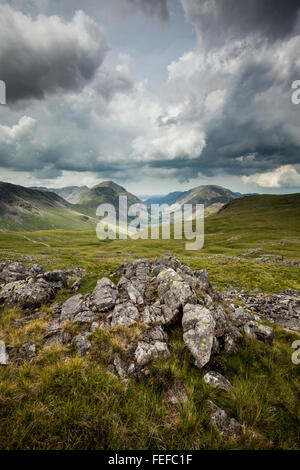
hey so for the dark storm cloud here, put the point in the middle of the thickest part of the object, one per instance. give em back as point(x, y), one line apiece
point(47, 55)
point(219, 20)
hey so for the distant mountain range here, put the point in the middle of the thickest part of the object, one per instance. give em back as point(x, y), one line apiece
point(74, 207)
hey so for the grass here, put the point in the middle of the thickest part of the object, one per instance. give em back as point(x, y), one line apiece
point(62, 401)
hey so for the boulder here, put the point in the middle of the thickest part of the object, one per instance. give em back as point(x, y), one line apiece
point(28, 293)
point(72, 307)
point(229, 427)
point(217, 380)
point(26, 352)
point(104, 295)
point(198, 332)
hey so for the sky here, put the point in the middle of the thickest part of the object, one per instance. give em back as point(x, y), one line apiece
point(156, 95)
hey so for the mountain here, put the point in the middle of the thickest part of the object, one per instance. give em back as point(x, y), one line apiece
point(168, 199)
point(31, 209)
point(244, 195)
point(213, 197)
point(107, 192)
point(71, 194)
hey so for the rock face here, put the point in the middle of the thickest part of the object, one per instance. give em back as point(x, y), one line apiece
point(229, 427)
point(3, 354)
point(217, 380)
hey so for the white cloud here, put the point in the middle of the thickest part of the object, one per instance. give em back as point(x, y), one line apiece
point(285, 176)
point(22, 130)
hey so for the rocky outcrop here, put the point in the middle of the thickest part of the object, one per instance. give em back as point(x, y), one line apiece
point(150, 297)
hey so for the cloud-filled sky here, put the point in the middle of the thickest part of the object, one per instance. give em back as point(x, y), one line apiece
point(157, 95)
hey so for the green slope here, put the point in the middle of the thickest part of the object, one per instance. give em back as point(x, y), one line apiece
point(28, 209)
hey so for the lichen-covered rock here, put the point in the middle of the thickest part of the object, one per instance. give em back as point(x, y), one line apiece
point(72, 306)
point(216, 380)
point(149, 351)
point(174, 293)
point(124, 315)
point(28, 293)
point(221, 320)
point(82, 344)
point(262, 332)
point(232, 340)
point(3, 354)
point(229, 427)
point(198, 332)
point(36, 269)
point(104, 295)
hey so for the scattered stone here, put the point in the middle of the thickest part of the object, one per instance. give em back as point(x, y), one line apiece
point(229, 427)
point(3, 354)
point(84, 317)
point(217, 380)
point(72, 306)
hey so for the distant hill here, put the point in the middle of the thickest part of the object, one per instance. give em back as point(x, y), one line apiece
point(168, 199)
point(249, 206)
point(31, 209)
point(213, 197)
point(107, 192)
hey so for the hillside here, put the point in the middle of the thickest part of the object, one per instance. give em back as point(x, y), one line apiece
point(107, 192)
point(30, 209)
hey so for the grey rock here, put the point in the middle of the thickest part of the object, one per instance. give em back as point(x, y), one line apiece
point(84, 317)
point(76, 285)
point(217, 380)
point(259, 331)
point(124, 315)
point(174, 293)
point(104, 295)
point(198, 332)
point(54, 328)
point(72, 306)
point(57, 277)
point(239, 316)
point(82, 344)
point(221, 320)
point(28, 293)
point(232, 340)
point(36, 269)
point(146, 353)
point(229, 427)
point(3, 354)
